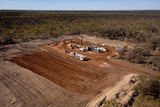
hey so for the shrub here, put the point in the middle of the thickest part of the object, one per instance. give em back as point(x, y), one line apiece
point(155, 60)
point(112, 103)
point(19, 34)
point(155, 42)
point(146, 101)
point(149, 86)
point(149, 92)
point(157, 51)
point(138, 55)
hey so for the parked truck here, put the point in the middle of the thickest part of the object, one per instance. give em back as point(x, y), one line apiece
point(78, 56)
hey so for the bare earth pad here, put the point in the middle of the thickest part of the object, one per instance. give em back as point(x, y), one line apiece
point(64, 71)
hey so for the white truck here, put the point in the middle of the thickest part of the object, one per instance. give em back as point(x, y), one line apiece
point(78, 56)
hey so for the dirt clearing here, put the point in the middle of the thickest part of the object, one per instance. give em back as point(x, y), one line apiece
point(54, 64)
point(66, 73)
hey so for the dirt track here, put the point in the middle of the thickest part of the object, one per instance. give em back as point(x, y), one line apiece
point(67, 82)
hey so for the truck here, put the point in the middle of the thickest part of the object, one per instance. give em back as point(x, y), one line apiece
point(78, 56)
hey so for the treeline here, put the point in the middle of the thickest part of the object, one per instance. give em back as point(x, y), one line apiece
point(24, 26)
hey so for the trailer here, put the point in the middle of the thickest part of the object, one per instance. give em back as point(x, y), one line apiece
point(78, 56)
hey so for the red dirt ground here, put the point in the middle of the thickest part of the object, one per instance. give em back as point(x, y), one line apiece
point(80, 76)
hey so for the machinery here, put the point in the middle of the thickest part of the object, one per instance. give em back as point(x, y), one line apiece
point(78, 56)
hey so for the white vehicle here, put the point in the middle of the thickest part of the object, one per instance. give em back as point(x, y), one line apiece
point(78, 56)
point(103, 49)
point(72, 53)
point(82, 49)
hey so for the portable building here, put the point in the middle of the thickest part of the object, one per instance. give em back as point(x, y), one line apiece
point(96, 49)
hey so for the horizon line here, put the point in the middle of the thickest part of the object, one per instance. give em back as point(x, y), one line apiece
point(76, 10)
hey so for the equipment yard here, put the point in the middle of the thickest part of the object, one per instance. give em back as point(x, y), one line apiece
point(53, 63)
point(70, 73)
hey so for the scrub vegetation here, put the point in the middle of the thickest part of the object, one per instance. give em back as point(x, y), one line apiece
point(148, 93)
point(138, 27)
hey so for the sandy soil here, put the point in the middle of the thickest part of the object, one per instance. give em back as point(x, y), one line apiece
point(122, 91)
point(21, 87)
point(44, 75)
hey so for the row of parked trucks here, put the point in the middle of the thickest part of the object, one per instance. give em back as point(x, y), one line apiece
point(88, 48)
